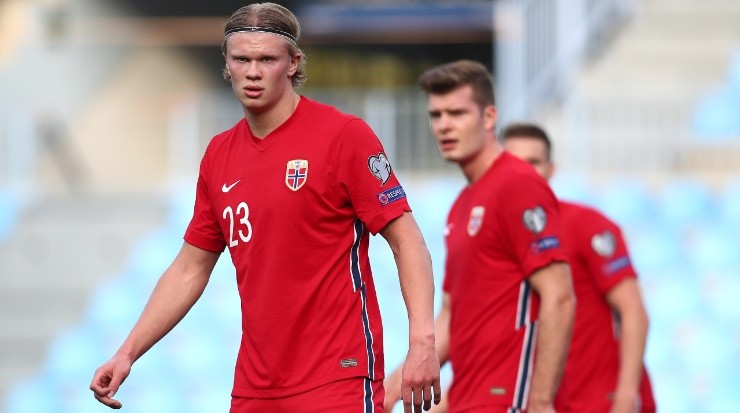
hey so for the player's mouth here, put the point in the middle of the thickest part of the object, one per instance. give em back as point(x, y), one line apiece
point(447, 144)
point(253, 91)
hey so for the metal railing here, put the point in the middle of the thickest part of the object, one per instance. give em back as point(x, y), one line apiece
point(649, 135)
point(541, 45)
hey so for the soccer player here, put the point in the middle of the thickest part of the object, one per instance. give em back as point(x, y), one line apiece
point(604, 371)
point(508, 304)
point(293, 191)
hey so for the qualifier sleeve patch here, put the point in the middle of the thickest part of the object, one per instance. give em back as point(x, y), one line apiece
point(615, 265)
point(544, 244)
point(391, 195)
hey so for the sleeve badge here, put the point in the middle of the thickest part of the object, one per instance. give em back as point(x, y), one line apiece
point(535, 219)
point(380, 167)
point(604, 244)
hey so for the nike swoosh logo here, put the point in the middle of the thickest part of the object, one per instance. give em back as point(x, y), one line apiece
point(228, 188)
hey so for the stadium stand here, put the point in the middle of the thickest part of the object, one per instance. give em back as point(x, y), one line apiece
point(715, 116)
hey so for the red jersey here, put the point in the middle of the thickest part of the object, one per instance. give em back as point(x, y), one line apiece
point(599, 261)
point(500, 230)
point(295, 209)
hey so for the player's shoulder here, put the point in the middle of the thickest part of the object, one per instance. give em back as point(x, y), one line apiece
point(324, 112)
point(224, 137)
point(585, 214)
point(330, 123)
point(516, 173)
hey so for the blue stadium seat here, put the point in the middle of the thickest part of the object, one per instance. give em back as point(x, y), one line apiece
point(572, 187)
point(181, 202)
point(114, 308)
point(74, 355)
point(671, 302)
point(685, 202)
point(672, 391)
point(153, 394)
point(721, 388)
point(729, 204)
point(715, 116)
point(655, 248)
point(714, 248)
point(721, 291)
point(31, 395)
point(431, 198)
point(151, 256)
point(211, 396)
point(8, 214)
point(627, 202)
point(200, 350)
point(703, 345)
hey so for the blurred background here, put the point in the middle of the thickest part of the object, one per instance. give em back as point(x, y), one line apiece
point(106, 108)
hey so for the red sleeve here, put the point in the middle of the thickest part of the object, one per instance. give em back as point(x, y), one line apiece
point(530, 217)
point(605, 253)
point(204, 230)
point(365, 175)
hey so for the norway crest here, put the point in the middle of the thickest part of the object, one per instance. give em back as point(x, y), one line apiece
point(296, 174)
point(476, 220)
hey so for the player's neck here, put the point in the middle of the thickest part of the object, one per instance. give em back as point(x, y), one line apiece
point(477, 166)
point(263, 123)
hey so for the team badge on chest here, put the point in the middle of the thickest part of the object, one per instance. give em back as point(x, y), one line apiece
point(476, 220)
point(296, 174)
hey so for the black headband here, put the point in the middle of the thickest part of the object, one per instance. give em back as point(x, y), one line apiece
point(260, 29)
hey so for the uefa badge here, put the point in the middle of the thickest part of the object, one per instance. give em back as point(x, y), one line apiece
point(380, 167)
point(296, 174)
point(535, 219)
point(604, 244)
point(476, 220)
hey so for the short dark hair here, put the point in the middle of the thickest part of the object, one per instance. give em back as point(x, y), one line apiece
point(528, 130)
point(447, 77)
point(273, 16)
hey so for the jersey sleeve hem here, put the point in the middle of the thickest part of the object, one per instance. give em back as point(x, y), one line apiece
point(195, 239)
point(542, 263)
point(616, 279)
point(377, 223)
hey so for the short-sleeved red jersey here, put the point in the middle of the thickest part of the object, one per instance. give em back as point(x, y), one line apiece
point(500, 230)
point(295, 209)
point(599, 261)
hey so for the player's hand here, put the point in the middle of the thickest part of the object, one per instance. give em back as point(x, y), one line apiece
point(624, 404)
point(108, 379)
point(420, 378)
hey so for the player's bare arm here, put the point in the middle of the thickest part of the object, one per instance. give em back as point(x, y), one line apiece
point(177, 290)
point(420, 374)
point(557, 308)
point(442, 342)
point(626, 300)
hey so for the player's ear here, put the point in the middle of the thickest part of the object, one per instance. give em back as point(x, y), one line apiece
point(490, 114)
point(549, 170)
point(226, 73)
point(295, 61)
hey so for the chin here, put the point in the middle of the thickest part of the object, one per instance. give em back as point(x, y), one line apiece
point(450, 157)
